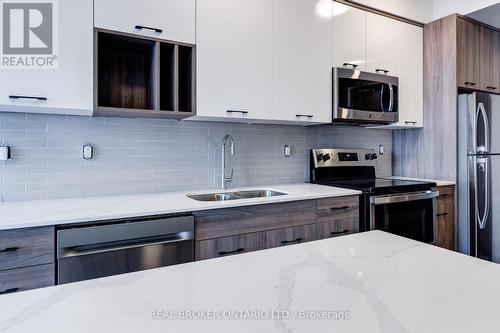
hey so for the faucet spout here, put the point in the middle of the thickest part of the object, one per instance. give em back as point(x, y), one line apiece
point(224, 178)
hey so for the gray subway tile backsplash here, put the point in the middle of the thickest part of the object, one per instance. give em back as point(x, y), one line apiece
point(156, 155)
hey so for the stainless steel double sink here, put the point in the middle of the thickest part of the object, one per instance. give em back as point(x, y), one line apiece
point(235, 195)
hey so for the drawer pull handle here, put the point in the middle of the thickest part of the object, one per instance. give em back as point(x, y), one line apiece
point(9, 249)
point(225, 253)
point(237, 111)
point(336, 233)
point(295, 241)
point(38, 98)
point(142, 27)
point(333, 209)
point(345, 64)
point(9, 291)
point(470, 84)
point(304, 115)
point(443, 214)
point(491, 88)
point(385, 71)
point(443, 195)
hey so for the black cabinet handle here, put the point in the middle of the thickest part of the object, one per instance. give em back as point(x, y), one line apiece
point(295, 241)
point(443, 214)
point(304, 115)
point(349, 64)
point(378, 70)
point(9, 249)
point(468, 83)
point(9, 291)
point(334, 209)
point(491, 88)
point(142, 27)
point(38, 98)
point(336, 233)
point(410, 122)
point(225, 253)
point(237, 111)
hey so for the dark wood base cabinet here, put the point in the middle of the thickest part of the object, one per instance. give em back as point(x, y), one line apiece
point(445, 218)
point(225, 232)
point(26, 259)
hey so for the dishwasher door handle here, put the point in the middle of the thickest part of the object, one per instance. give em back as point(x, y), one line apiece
point(84, 250)
point(390, 199)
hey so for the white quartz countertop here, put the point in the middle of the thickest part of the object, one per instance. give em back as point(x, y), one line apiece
point(376, 281)
point(437, 181)
point(53, 212)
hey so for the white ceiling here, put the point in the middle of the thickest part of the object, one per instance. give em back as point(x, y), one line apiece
point(489, 15)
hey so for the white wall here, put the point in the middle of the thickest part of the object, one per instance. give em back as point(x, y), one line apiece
point(418, 10)
point(444, 8)
point(427, 10)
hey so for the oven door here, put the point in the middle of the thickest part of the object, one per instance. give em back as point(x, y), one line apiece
point(411, 215)
point(365, 97)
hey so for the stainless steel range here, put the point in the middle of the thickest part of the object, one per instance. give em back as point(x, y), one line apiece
point(403, 207)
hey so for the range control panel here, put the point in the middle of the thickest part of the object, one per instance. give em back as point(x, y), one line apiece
point(343, 157)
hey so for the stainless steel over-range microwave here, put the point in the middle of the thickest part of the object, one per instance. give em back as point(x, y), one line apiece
point(362, 97)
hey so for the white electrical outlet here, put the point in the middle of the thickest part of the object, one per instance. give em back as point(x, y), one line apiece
point(88, 152)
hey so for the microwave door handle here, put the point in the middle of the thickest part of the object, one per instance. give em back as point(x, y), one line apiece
point(382, 98)
point(391, 98)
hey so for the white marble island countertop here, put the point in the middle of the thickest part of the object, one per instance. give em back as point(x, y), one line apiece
point(376, 282)
point(63, 211)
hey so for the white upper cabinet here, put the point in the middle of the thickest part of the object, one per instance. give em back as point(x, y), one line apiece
point(172, 20)
point(349, 36)
point(382, 34)
point(409, 67)
point(234, 59)
point(302, 61)
point(63, 89)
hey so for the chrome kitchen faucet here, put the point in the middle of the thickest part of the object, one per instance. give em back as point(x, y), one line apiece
point(224, 179)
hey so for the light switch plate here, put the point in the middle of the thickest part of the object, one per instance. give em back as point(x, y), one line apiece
point(4, 153)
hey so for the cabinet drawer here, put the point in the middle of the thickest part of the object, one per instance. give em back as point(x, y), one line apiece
point(337, 208)
point(446, 193)
point(26, 247)
point(14, 280)
point(338, 228)
point(289, 236)
point(250, 219)
point(221, 247)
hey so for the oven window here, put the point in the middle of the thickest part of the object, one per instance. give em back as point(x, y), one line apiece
point(356, 94)
point(413, 219)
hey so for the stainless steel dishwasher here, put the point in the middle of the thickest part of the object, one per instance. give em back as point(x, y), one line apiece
point(96, 250)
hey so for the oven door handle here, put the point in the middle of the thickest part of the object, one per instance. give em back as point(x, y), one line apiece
point(84, 250)
point(389, 199)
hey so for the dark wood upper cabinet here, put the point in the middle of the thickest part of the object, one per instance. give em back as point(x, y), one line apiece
point(478, 56)
point(490, 60)
point(468, 54)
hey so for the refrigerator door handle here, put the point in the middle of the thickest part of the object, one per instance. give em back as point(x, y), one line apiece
point(486, 123)
point(481, 220)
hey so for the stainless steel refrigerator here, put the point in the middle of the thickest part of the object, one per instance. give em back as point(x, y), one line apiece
point(479, 175)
